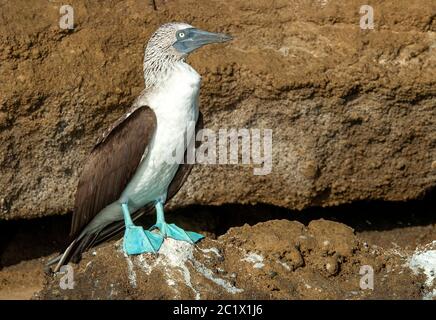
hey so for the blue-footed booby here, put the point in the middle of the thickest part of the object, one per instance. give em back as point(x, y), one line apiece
point(126, 173)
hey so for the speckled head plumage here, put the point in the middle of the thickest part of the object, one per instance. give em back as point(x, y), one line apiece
point(160, 45)
point(170, 44)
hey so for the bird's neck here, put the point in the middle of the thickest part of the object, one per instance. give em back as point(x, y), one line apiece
point(157, 69)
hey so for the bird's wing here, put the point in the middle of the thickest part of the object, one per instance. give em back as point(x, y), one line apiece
point(111, 164)
point(179, 179)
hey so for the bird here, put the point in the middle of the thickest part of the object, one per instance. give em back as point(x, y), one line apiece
point(126, 174)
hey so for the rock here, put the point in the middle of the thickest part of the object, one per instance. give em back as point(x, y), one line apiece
point(247, 262)
point(352, 111)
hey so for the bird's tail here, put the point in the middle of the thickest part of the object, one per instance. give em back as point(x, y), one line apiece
point(106, 225)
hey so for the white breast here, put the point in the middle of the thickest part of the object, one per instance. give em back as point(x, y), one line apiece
point(175, 105)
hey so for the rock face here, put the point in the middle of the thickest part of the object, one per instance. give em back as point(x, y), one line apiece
point(278, 259)
point(353, 111)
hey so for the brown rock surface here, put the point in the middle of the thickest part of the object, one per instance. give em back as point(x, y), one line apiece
point(353, 111)
point(278, 259)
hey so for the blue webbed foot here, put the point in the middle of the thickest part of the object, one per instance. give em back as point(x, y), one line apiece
point(171, 230)
point(177, 233)
point(137, 240)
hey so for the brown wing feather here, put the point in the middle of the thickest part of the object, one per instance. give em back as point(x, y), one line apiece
point(111, 165)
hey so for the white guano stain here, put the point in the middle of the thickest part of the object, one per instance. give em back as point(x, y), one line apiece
point(174, 258)
point(213, 250)
point(144, 265)
point(131, 274)
point(207, 273)
point(284, 265)
point(255, 259)
point(424, 260)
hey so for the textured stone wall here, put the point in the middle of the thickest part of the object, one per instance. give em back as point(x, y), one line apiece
point(353, 111)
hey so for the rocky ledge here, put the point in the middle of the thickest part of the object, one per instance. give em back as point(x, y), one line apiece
point(278, 259)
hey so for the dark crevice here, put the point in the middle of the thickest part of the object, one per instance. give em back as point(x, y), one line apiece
point(22, 240)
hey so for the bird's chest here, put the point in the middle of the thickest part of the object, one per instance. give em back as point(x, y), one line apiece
point(176, 109)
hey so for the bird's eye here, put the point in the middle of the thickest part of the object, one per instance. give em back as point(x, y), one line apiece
point(181, 34)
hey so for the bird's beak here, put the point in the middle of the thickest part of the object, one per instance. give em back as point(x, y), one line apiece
point(196, 38)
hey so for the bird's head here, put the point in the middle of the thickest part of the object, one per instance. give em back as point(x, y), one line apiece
point(174, 41)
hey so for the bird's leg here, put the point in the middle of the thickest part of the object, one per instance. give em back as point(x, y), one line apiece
point(136, 239)
point(171, 230)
